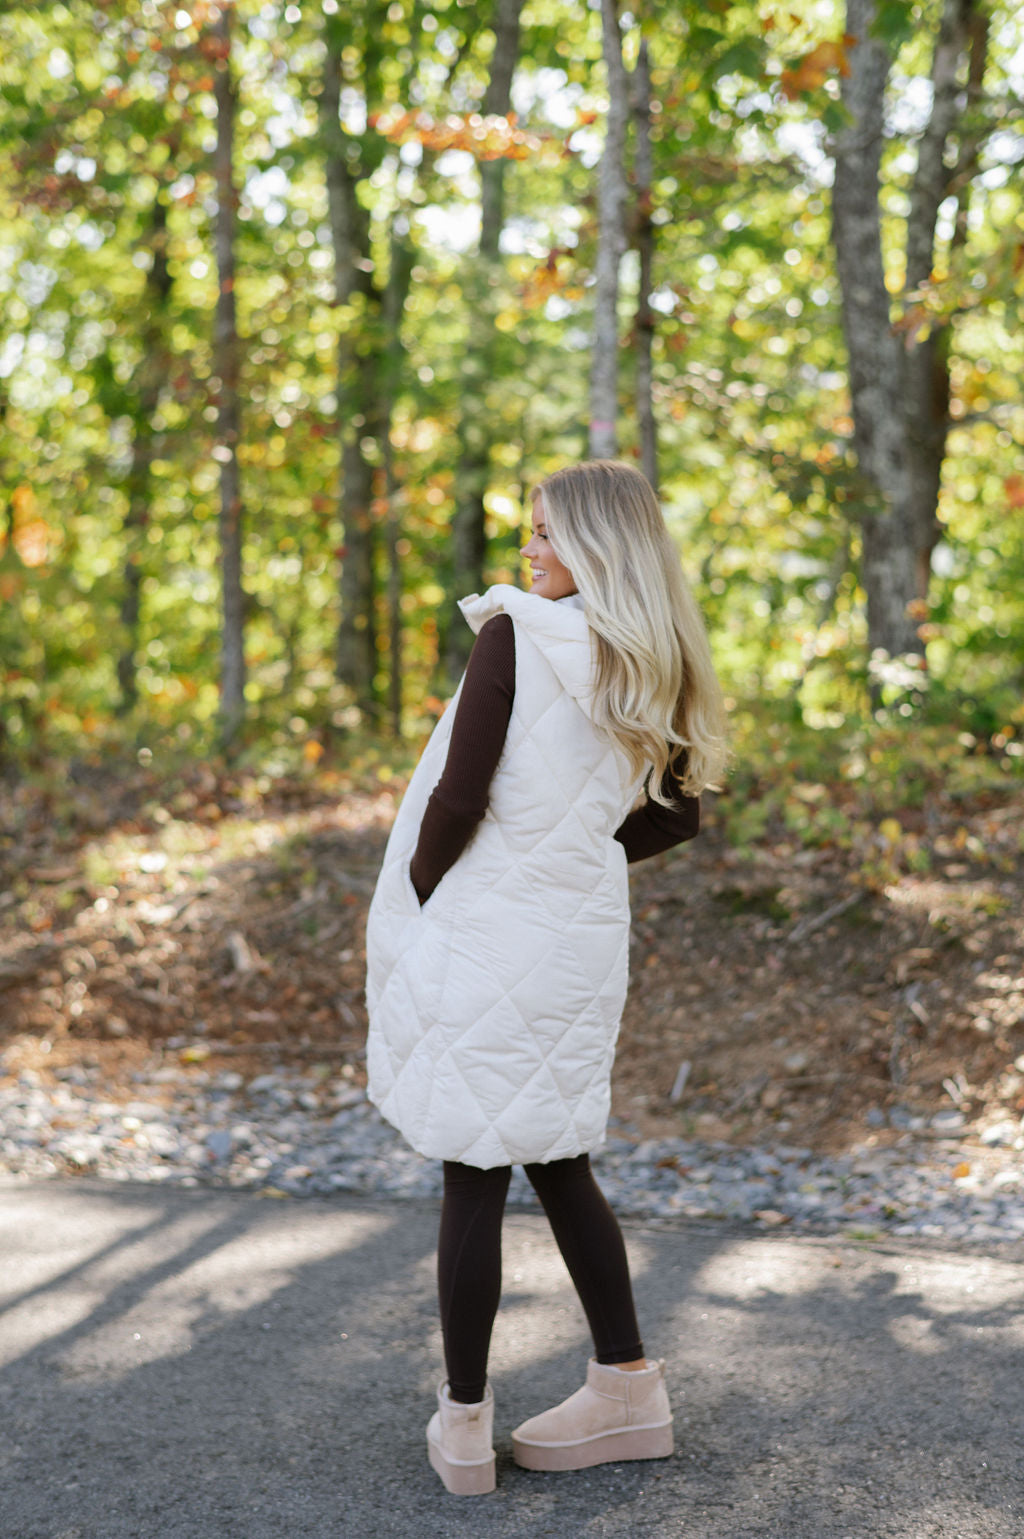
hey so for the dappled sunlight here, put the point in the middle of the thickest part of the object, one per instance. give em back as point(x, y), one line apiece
point(940, 901)
point(911, 1333)
point(199, 921)
point(69, 1287)
point(537, 1295)
point(83, 1242)
point(753, 1270)
point(237, 1276)
point(921, 1305)
point(947, 1285)
point(152, 1296)
point(250, 1355)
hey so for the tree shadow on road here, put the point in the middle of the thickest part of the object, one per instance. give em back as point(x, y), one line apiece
point(183, 1364)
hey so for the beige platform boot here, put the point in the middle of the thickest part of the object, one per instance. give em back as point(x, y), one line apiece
point(618, 1414)
point(459, 1444)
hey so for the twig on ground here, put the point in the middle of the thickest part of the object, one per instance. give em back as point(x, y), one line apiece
point(897, 1073)
point(675, 1095)
point(807, 927)
point(154, 997)
point(236, 1049)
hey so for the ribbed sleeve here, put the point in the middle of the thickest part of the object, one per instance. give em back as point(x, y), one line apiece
point(459, 800)
point(651, 829)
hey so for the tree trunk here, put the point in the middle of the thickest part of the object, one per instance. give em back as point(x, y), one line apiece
point(475, 434)
point(227, 367)
point(149, 380)
point(876, 354)
point(356, 658)
point(9, 658)
point(927, 376)
point(496, 103)
point(613, 196)
point(644, 237)
point(395, 295)
point(899, 390)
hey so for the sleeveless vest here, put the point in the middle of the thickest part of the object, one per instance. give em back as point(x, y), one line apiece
point(494, 1009)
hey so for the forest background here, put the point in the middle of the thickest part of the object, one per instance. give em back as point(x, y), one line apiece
point(299, 302)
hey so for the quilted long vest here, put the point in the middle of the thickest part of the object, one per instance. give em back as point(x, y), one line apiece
point(494, 1009)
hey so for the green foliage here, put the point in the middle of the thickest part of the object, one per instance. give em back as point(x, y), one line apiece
point(107, 116)
point(870, 787)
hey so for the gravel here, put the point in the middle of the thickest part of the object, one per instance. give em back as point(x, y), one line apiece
point(315, 1133)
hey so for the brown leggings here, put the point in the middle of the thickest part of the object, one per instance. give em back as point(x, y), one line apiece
point(469, 1263)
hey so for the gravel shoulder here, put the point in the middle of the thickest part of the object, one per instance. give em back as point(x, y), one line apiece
point(215, 1363)
point(313, 1133)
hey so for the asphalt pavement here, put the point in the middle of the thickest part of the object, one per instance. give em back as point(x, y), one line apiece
point(196, 1364)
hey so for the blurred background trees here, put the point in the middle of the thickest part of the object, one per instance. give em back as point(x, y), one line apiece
point(299, 301)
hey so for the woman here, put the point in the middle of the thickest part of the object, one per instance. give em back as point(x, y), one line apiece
point(497, 942)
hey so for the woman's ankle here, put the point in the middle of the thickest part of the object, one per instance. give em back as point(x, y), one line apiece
point(473, 1394)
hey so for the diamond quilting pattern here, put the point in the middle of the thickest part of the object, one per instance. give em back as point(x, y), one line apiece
point(495, 1009)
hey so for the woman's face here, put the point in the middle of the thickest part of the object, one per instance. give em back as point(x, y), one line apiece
point(551, 579)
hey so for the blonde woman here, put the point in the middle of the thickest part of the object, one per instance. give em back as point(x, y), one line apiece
point(587, 723)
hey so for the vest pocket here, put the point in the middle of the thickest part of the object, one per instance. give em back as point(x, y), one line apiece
point(412, 897)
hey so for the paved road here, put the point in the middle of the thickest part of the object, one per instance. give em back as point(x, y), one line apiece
point(213, 1365)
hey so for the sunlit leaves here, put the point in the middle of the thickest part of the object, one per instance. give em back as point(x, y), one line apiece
point(485, 138)
point(811, 72)
point(749, 360)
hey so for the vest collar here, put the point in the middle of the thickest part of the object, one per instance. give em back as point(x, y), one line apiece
point(558, 626)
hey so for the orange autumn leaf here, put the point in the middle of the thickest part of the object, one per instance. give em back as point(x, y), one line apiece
point(1014, 489)
point(32, 534)
point(811, 72)
point(24, 503)
point(547, 279)
point(487, 138)
point(32, 542)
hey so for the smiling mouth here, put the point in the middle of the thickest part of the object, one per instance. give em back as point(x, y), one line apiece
point(537, 574)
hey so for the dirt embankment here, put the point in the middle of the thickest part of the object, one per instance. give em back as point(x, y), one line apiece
point(774, 994)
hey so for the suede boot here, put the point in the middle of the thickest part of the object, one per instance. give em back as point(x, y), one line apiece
point(459, 1444)
point(618, 1414)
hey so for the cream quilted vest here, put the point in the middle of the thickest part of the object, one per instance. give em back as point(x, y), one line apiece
point(495, 1008)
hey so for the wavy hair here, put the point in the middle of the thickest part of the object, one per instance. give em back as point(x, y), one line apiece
point(656, 691)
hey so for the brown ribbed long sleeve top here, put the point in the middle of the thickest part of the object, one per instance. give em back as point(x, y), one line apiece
point(459, 800)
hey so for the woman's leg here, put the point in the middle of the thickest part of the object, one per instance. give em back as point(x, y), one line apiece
point(616, 1414)
point(469, 1272)
point(590, 1240)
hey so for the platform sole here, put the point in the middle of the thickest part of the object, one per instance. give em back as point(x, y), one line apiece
point(461, 1477)
point(605, 1448)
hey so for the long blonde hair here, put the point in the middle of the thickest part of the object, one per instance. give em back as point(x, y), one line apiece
point(656, 689)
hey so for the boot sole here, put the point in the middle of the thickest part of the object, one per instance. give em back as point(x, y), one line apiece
point(606, 1448)
point(460, 1477)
